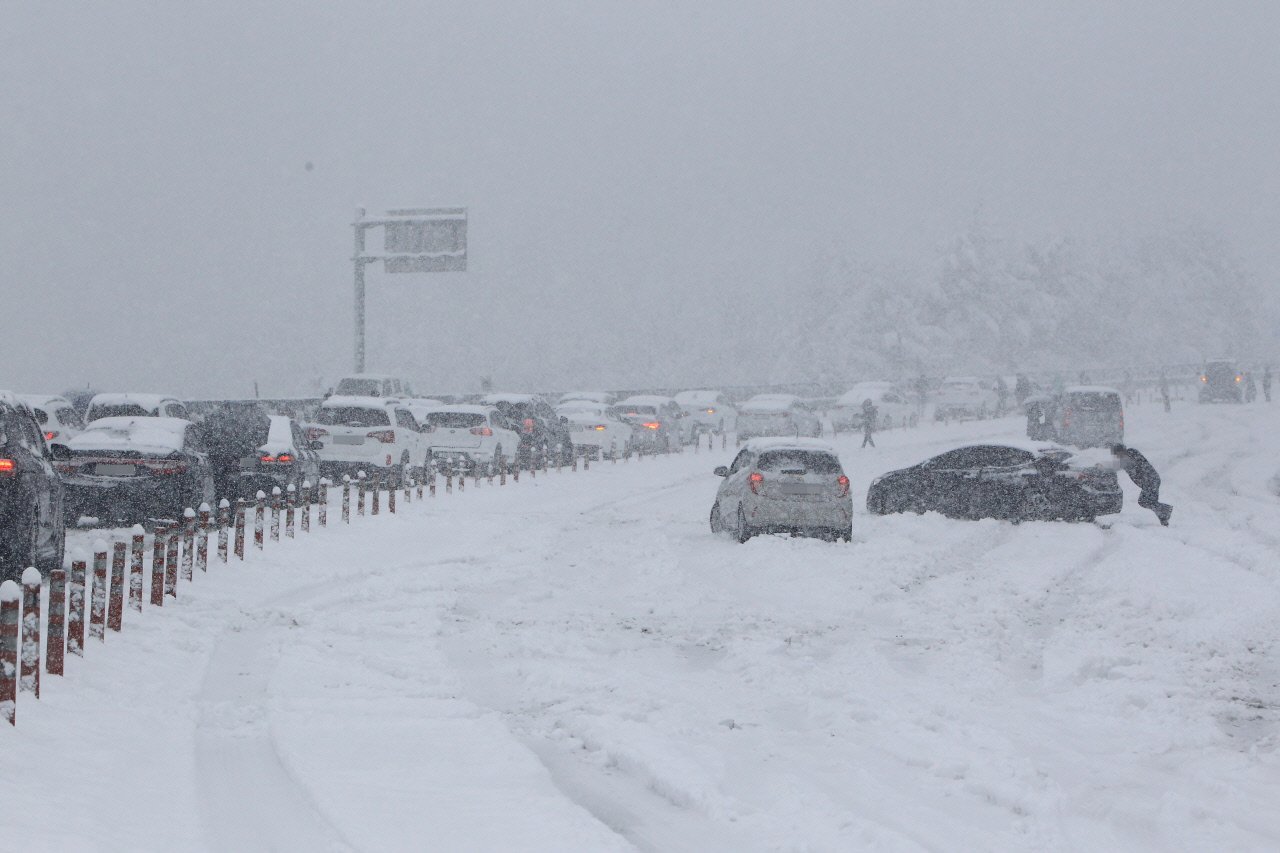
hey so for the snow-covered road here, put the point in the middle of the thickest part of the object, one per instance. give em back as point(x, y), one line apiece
point(575, 663)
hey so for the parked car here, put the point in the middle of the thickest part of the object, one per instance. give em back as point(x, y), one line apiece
point(281, 456)
point(467, 438)
point(1005, 481)
point(596, 433)
point(892, 406)
point(32, 527)
point(134, 405)
point(776, 415)
point(129, 469)
point(963, 397)
point(57, 418)
point(541, 429)
point(784, 485)
point(708, 411)
point(372, 385)
point(603, 398)
point(1221, 382)
point(1088, 416)
point(656, 422)
point(370, 434)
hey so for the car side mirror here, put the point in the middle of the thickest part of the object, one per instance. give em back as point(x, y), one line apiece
point(721, 471)
point(60, 452)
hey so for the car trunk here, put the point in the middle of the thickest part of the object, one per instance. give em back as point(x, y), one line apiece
point(454, 429)
point(799, 475)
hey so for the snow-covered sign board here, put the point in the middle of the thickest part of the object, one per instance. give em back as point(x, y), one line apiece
point(426, 240)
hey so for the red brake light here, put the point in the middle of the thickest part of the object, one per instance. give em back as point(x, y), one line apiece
point(481, 430)
point(8, 467)
point(711, 411)
point(267, 458)
point(754, 481)
point(1204, 378)
point(284, 458)
point(599, 427)
point(843, 482)
point(652, 424)
point(1237, 378)
point(386, 436)
point(50, 436)
point(528, 425)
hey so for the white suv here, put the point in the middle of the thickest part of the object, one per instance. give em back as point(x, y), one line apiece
point(473, 438)
point(366, 434)
point(58, 419)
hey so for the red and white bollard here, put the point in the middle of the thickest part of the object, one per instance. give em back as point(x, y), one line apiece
point(188, 542)
point(376, 486)
point(135, 567)
point(448, 482)
point(10, 600)
point(724, 441)
point(157, 567)
point(171, 561)
point(362, 485)
point(586, 460)
point(432, 483)
point(98, 600)
point(202, 537)
point(346, 498)
point(322, 498)
point(391, 494)
point(275, 513)
point(418, 486)
point(462, 480)
point(259, 518)
point(29, 677)
point(115, 601)
point(291, 498)
point(613, 450)
point(306, 506)
point(56, 643)
point(75, 609)
point(224, 521)
point(408, 489)
point(241, 523)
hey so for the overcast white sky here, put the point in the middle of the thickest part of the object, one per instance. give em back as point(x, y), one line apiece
point(629, 168)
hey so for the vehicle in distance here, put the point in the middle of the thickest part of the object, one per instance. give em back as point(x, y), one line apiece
point(596, 433)
point(57, 418)
point(1081, 416)
point(707, 411)
point(32, 531)
point(1015, 482)
point(962, 397)
point(467, 438)
point(370, 434)
point(776, 415)
point(131, 469)
point(540, 428)
point(372, 385)
point(892, 406)
point(281, 457)
point(134, 405)
point(1221, 382)
point(780, 485)
point(655, 422)
point(603, 398)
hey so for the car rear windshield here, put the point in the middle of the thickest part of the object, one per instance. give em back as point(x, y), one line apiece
point(359, 388)
point(1221, 371)
point(455, 420)
point(353, 416)
point(119, 410)
point(813, 462)
point(1095, 402)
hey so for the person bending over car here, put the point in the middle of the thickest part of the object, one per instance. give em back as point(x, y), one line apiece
point(1144, 476)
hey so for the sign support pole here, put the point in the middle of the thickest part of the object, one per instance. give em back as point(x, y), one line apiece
point(359, 262)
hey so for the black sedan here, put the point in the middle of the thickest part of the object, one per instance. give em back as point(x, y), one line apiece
point(31, 524)
point(1018, 483)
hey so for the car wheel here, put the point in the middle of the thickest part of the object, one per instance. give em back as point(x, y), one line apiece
point(717, 526)
point(846, 535)
point(1035, 507)
point(744, 531)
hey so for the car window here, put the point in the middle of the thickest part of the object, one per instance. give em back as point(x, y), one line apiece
point(1094, 402)
point(42, 417)
point(191, 439)
point(980, 456)
point(68, 416)
point(405, 419)
point(892, 398)
point(359, 388)
point(177, 410)
point(814, 462)
point(455, 420)
point(743, 460)
point(352, 416)
point(296, 432)
point(118, 410)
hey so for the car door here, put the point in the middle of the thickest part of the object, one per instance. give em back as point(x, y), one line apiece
point(949, 478)
point(27, 445)
point(408, 435)
point(734, 485)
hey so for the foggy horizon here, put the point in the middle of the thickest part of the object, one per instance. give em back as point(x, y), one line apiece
point(655, 196)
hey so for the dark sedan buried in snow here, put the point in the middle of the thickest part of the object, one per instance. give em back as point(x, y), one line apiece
point(1016, 482)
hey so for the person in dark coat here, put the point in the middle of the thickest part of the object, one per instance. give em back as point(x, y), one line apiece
point(869, 415)
point(1266, 383)
point(1144, 476)
point(1164, 391)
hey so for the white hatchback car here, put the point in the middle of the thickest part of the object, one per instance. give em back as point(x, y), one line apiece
point(58, 419)
point(777, 415)
point(595, 433)
point(892, 406)
point(467, 437)
point(708, 411)
point(135, 405)
point(366, 433)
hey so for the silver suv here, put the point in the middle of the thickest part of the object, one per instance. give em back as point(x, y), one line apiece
point(784, 486)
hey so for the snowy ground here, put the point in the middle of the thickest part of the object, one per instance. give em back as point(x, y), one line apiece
point(575, 663)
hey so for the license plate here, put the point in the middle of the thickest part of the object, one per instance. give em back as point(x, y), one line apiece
point(801, 489)
point(348, 439)
point(249, 462)
point(104, 469)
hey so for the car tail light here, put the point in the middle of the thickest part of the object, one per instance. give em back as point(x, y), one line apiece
point(388, 460)
point(386, 436)
point(1066, 417)
point(843, 482)
point(528, 426)
point(481, 430)
point(282, 459)
point(1204, 378)
point(652, 424)
point(711, 411)
point(267, 458)
point(600, 427)
point(314, 433)
point(754, 482)
point(166, 468)
point(1237, 378)
point(50, 436)
point(8, 467)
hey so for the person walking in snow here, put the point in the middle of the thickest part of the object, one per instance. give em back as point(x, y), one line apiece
point(869, 415)
point(1266, 383)
point(1144, 476)
point(1164, 391)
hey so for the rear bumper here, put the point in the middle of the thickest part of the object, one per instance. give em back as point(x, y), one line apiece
point(128, 500)
point(785, 515)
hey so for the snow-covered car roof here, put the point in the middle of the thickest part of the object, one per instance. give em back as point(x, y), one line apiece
point(423, 401)
point(12, 399)
point(452, 407)
point(584, 416)
point(645, 400)
point(336, 402)
point(146, 401)
point(758, 406)
point(279, 434)
point(961, 380)
point(43, 401)
point(145, 435)
point(1089, 389)
point(865, 391)
point(492, 399)
point(581, 406)
point(589, 396)
point(696, 398)
point(758, 445)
